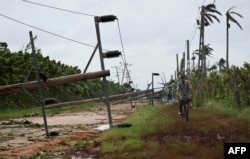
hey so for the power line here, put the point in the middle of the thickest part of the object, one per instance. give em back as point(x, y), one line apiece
point(203, 2)
point(121, 40)
point(57, 35)
point(124, 57)
point(195, 28)
point(65, 10)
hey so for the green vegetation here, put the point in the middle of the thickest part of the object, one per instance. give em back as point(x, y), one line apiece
point(125, 141)
point(229, 87)
point(158, 132)
point(15, 67)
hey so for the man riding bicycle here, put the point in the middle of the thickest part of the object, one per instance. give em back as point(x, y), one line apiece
point(184, 92)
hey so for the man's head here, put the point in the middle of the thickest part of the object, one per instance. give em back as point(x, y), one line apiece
point(182, 77)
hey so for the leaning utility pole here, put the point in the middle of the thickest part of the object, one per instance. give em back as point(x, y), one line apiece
point(108, 54)
point(39, 85)
point(105, 83)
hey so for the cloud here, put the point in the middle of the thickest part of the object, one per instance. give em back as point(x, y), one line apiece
point(152, 33)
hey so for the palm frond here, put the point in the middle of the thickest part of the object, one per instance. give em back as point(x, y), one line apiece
point(213, 67)
point(215, 11)
point(212, 8)
point(231, 18)
point(206, 22)
point(222, 61)
point(208, 17)
point(236, 14)
point(236, 22)
point(197, 52)
point(216, 18)
point(231, 8)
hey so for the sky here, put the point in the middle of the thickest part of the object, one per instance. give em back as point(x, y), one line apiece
point(149, 33)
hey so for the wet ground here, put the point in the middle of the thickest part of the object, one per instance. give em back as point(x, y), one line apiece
point(25, 137)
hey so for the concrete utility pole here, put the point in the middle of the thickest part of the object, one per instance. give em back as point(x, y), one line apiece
point(117, 74)
point(153, 74)
point(188, 59)
point(105, 83)
point(6, 89)
point(109, 54)
point(40, 89)
point(125, 74)
point(126, 97)
point(183, 63)
point(201, 62)
point(177, 63)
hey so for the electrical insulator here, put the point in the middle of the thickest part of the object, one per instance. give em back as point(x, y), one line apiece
point(111, 54)
point(106, 18)
point(155, 74)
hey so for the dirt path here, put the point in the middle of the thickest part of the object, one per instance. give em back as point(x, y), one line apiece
point(201, 137)
point(26, 137)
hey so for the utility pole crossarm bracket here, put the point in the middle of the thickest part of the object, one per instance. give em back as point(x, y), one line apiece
point(105, 18)
point(111, 54)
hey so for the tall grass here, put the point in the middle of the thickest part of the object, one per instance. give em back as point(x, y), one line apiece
point(194, 139)
point(148, 120)
point(241, 113)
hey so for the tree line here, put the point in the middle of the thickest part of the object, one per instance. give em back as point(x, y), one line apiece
point(230, 87)
point(16, 67)
point(226, 84)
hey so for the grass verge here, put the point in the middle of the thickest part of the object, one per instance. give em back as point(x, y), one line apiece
point(158, 132)
point(128, 142)
point(36, 111)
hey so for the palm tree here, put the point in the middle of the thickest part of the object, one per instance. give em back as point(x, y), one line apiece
point(229, 14)
point(212, 68)
point(207, 17)
point(221, 64)
point(207, 51)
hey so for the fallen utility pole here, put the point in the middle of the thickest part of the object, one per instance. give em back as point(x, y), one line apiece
point(52, 81)
point(113, 97)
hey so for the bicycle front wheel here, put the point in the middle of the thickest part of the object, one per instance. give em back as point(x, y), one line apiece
point(185, 112)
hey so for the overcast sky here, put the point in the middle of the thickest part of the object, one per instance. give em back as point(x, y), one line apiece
point(152, 33)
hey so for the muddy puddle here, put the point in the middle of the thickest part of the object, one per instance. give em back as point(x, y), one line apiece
point(23, 132)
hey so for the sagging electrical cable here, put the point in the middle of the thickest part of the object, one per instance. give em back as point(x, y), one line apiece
point(65, 10)
point(57, 35)
point(123, 57)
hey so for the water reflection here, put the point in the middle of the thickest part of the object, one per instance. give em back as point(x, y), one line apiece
point(102, 127)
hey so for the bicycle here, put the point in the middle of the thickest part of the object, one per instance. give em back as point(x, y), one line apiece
point(184, 107)
point(185, 112)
